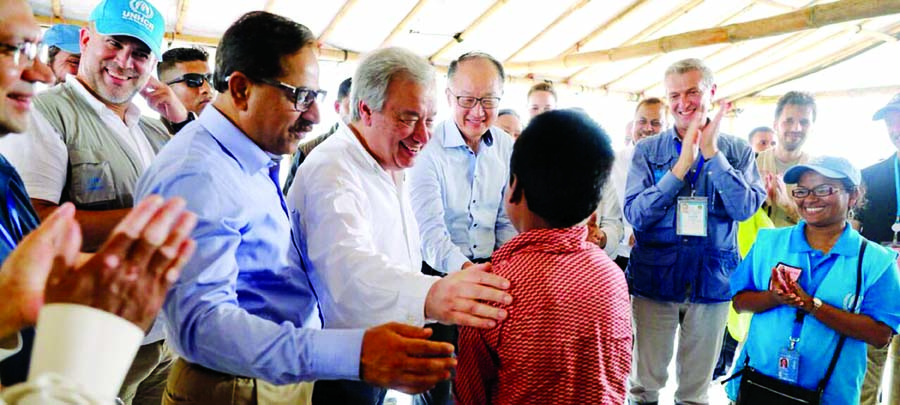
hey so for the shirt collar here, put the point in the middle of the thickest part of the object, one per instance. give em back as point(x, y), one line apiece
point(846, 245)
point(132, 112)
point(548, 240)
point(237, 144)
point(453, 138)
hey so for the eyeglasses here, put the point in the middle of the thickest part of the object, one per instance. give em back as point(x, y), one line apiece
point(822, 190)
point(470, 102)
point(192, 80)
point(302, 97)
point(25, 53)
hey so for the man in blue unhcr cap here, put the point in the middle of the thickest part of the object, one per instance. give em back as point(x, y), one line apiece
point(63, 50)
point(95, 144)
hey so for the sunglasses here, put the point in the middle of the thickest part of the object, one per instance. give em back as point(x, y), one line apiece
point(192, 80)
point(301, 97)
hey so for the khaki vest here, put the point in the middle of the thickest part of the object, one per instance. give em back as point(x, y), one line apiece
point(102, 170)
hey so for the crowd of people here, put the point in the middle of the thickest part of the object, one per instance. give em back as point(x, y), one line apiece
point(486, 258)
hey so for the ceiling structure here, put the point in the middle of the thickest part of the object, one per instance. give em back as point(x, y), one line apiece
point(589, 46)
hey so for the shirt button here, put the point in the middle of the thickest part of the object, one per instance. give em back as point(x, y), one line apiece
point(474, 246)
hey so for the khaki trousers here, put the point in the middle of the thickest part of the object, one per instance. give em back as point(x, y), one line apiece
point(146, 379)
point(192, 384)
point(875, 372)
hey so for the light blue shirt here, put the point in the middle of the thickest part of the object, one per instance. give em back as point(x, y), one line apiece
point(457, 196)
point(770, 331)
point(240, 306)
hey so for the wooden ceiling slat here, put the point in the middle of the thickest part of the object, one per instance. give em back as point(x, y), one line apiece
point(562, 17)
point(329, 29)
point(601, 29)
point(461, 36)
point(886, 91)
point(401, 26)
point(270, 5)
point(804, 19)
point(182, 8)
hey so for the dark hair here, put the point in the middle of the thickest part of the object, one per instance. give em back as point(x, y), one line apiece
point(178, 55)
point(800, 98)
point(542, 86)
point(507, 111)
point(344, 89)
point(451, 71)
point(256, 44)
point(52, 51)
point(561, 163)
point(756, 130)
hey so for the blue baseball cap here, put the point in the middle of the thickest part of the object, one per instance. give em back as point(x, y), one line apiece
point(828, 166)
point(133, 18)
point(893, 105)
point(65, 37)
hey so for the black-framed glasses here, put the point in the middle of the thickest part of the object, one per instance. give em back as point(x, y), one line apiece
point(470, 102)
point(192, 80)
point(25, 53)
point(301, 97)
point(822, 190)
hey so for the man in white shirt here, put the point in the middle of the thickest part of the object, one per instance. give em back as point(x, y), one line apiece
point(649, 119)
point(91, 144)
point(350, 208)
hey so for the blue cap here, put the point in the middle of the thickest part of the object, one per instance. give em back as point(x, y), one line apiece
point(134, 18)
point(828, 166)
point(893, 105)
point(65, 37)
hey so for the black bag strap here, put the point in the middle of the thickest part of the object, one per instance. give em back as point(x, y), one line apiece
point(840, 345)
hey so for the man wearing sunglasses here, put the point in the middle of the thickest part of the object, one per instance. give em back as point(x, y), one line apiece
point(186, 72)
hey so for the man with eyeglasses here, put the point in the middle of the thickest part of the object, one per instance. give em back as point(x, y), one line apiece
point(186, 72)
point(89, 144)
point(244, 316)
point(63, 50)
point(457, 185)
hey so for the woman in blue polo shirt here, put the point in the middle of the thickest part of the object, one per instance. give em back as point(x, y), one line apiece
point(797, 325)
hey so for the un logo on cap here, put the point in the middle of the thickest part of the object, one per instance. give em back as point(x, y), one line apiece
point(141, 7)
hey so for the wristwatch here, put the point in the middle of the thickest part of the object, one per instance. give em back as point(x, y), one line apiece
point(817, 303)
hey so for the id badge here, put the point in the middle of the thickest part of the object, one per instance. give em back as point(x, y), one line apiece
point(690, 219)
point(788, 365)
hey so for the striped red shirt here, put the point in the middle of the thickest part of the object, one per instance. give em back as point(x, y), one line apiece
point(567, 339)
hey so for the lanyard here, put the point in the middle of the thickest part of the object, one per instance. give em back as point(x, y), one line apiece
point(693, 180)
point(896, 226)
point(16, 235)
point(815, 280)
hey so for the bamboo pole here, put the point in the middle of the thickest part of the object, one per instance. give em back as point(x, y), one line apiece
point(56, 9)
point(601, 29)
point(182, 9)
point(329, 29)
point(498, 4)
point(571, 10)
point(886, 91)
point(669, 18)
point(807, 18)
point(404, 23)
point(818, 65)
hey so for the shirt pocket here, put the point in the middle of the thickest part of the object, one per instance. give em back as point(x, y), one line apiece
point(92, 181)
point(660, 164)
point(715, 275)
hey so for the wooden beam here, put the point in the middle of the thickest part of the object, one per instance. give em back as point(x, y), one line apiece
point(669, 18)
point(270, 5)
point(461, 36)
point(181, 12)
point(658, 57)
point(601, 29)
point(329, 29)
point(571, 10)
point(400, 27)
point(887, 91)
point(804, 19)
point(56, 9)
point(818, 65)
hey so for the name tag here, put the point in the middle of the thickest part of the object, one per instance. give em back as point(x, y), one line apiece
point(691, 217)
point(788, 365)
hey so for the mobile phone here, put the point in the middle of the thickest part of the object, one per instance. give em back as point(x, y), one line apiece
point(785, 273)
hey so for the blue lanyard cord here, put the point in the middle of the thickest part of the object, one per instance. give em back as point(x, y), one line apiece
point(897, 185)
point(693, 180)
point(11, 238)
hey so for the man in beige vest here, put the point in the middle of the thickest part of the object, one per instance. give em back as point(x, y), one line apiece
point(795, 115)
point(90, 144)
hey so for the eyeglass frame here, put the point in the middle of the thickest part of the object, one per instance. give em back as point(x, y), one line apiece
point(188, 80)
point(829, 190)
point(31, 50)
point(476, 101)
point(295, 93)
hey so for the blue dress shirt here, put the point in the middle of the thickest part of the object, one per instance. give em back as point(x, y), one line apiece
point(457, 196)
point(240, 307)
point(665, 266)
